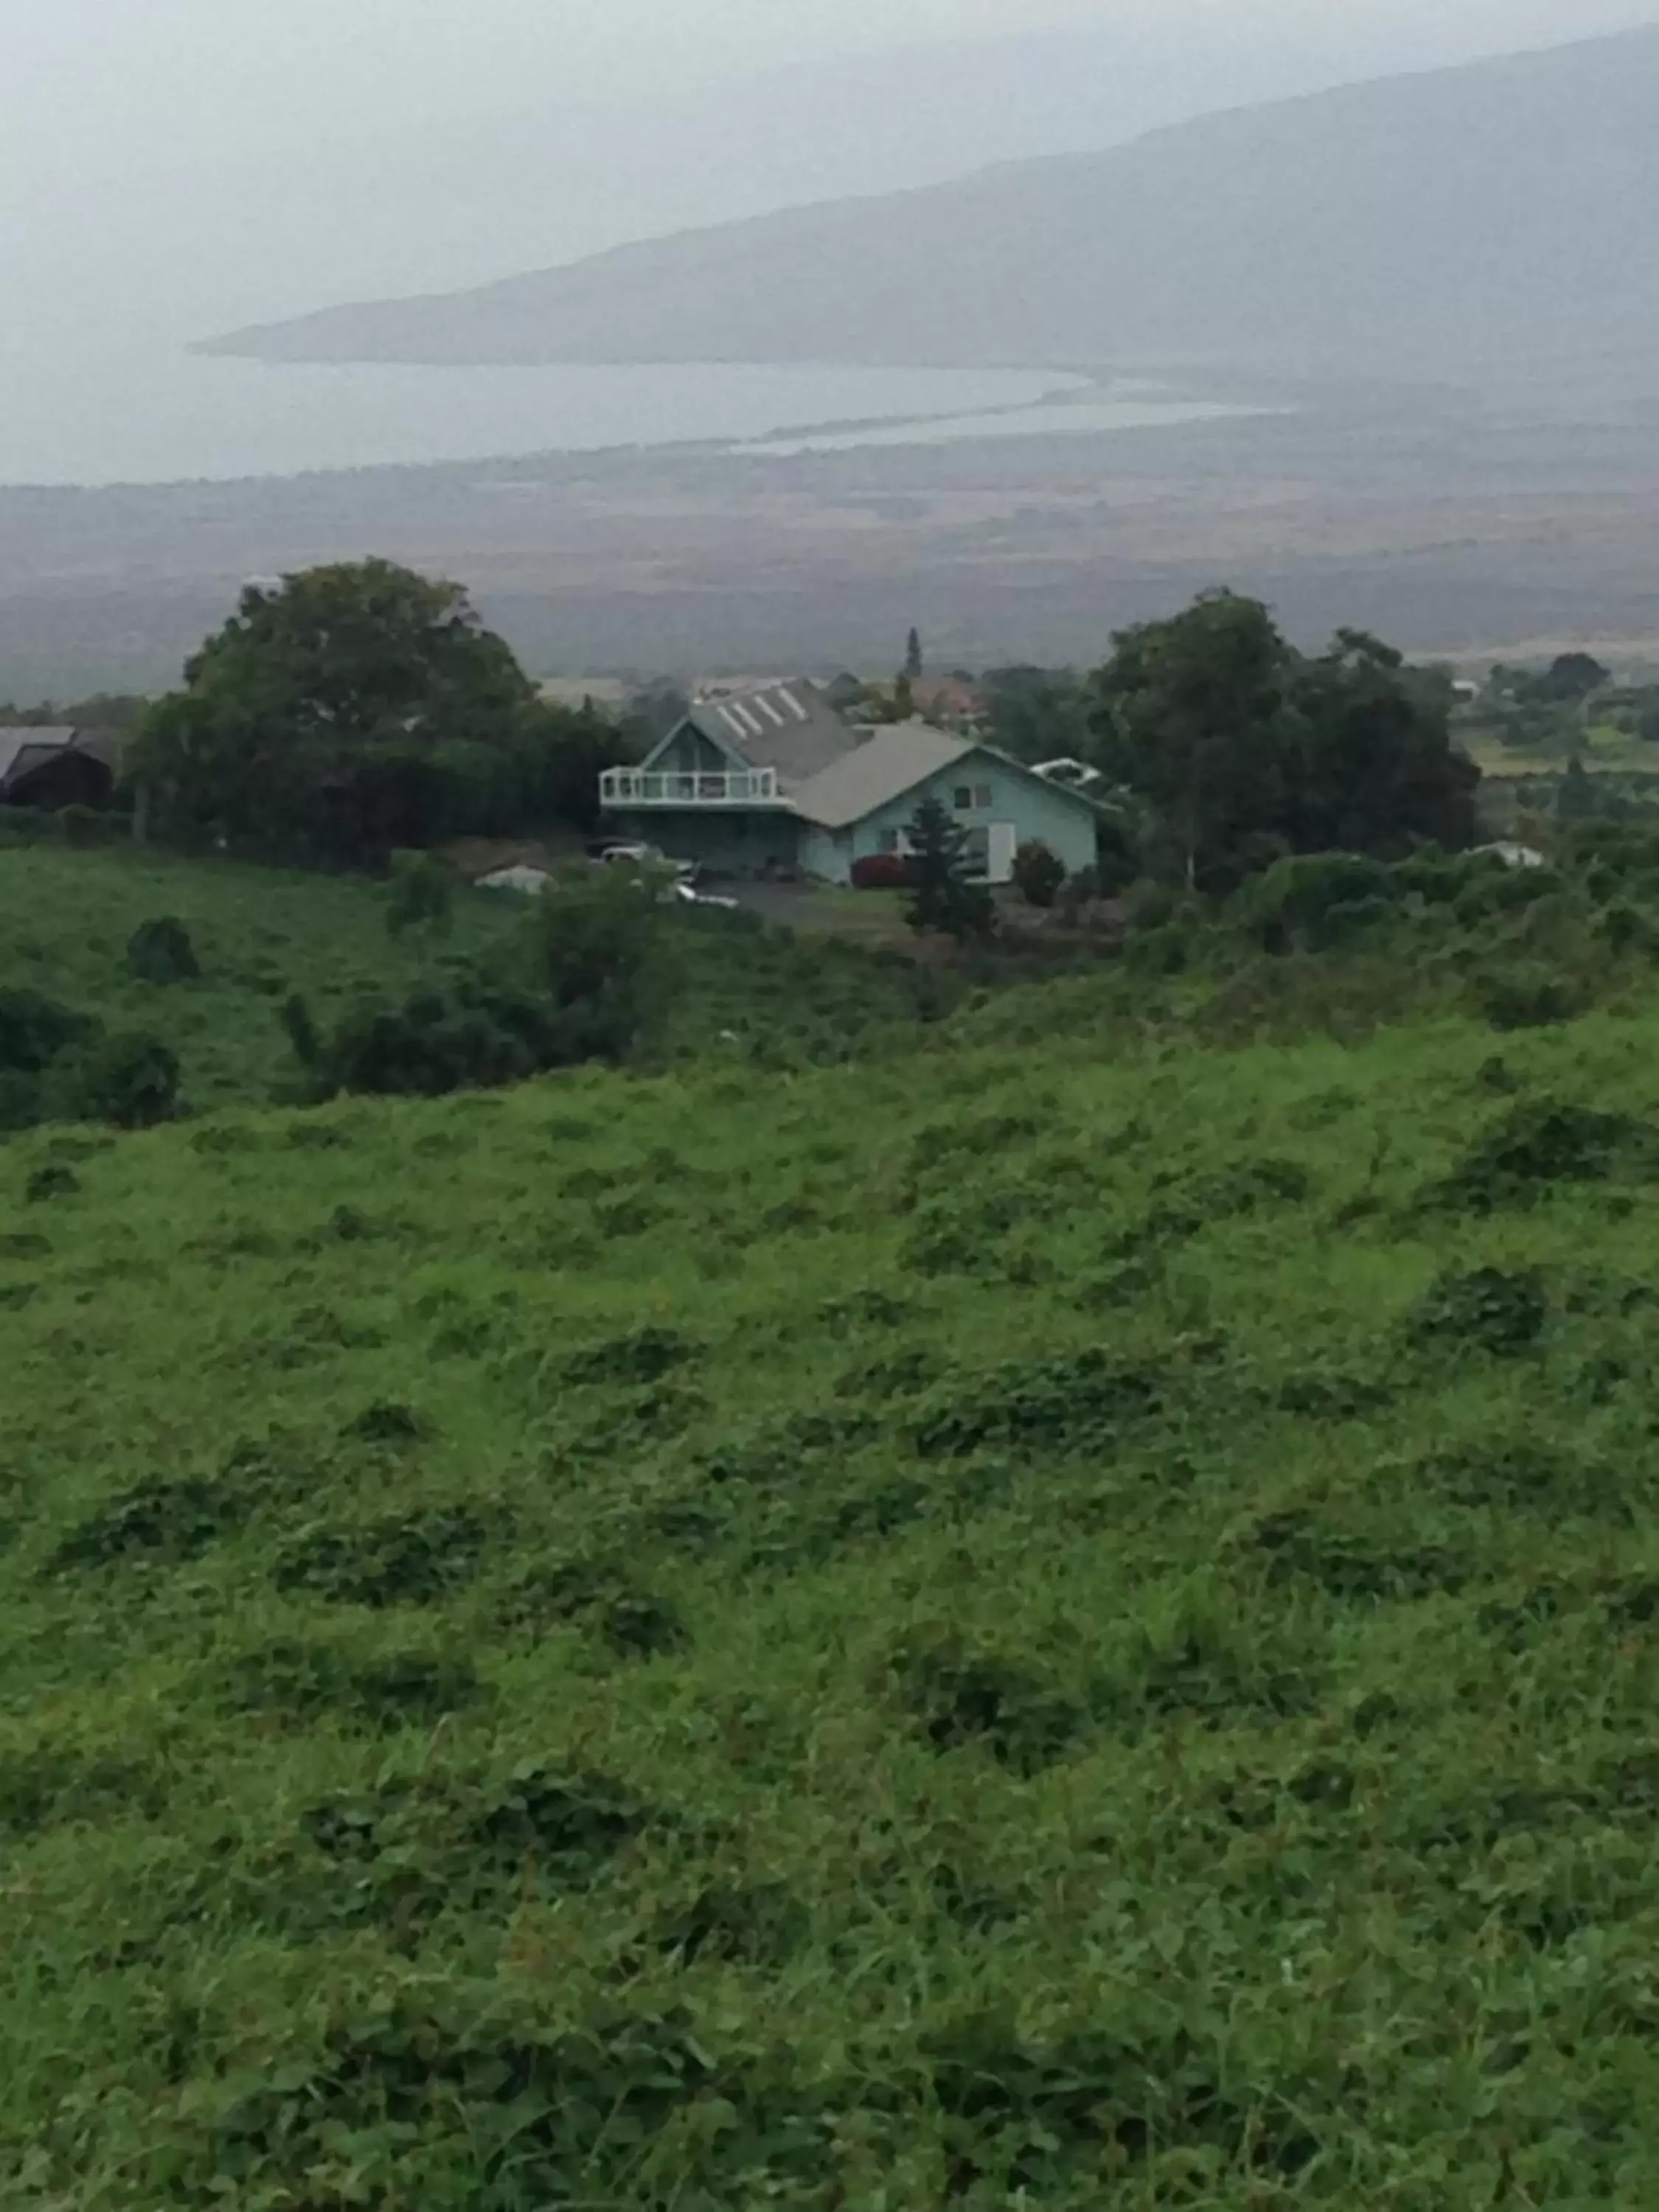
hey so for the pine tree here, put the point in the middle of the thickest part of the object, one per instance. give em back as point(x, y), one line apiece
point(944, 897)
point(913, 660)
point(1575, 796)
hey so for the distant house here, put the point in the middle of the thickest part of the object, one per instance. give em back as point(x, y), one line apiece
point(56, 767)
point(772, 780)
point(947, 699)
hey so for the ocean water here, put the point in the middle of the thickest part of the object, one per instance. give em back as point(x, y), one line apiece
point(137, 412)
point(148, 413)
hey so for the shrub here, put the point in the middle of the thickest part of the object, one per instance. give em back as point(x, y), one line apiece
point(961, 1697)
point(51, 1183)
point(1039, 872)
point(160, 1522)
point(1503, 1314)
point(599, 945)
point(1526, 998)
point(24, 825)
point(301, 1684)
point(421, 896)
point(159, 951)
point(301, 1032)
point(474, 1038)
point(86, 826)
point(34, 1030)
point(1151, 905)
point(881, 871)
point(1077, 1402)
point(418, 1559)
point(644, 1355)
point(1310, 900)
point(1541, 1141)
point(130, 1080)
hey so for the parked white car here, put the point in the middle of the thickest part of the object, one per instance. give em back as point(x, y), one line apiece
point(613, 856)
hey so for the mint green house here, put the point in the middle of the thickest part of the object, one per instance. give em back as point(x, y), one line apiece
point(773, 781)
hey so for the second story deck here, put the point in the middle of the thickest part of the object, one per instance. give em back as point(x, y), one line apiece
point(626, 787)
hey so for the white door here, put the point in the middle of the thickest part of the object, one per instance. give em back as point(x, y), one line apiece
point(1004, 843)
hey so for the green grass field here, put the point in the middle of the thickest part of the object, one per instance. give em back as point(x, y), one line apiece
point(1607, 751)
point(734, 992)
point(1010, 1628)
point(66, 919)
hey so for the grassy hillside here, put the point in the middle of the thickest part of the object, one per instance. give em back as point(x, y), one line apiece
point(1004, 1629)
point(66, 918)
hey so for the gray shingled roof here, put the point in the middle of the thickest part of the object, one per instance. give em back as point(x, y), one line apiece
point(790, 727)
point(883, 768)
point(22, 752)
point(15, 742)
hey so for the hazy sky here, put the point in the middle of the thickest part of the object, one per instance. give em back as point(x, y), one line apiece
point(177, 166)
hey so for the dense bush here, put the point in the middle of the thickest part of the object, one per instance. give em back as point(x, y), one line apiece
point(421, 896)
point(1039, 873)
point(55, 1065)
point(25, 825)
point(130, 1079)
point(160, 952)
point(476, 1036)
point(34, 1030)
point(1312, 901)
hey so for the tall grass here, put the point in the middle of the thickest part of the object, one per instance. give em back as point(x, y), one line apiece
point(1009, 1626)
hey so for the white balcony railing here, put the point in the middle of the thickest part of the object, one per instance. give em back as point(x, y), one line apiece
point(634, 787)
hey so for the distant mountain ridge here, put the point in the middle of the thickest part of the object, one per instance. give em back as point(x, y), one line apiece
point(1438, 227)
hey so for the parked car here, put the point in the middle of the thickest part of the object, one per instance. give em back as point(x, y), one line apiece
point(637, 855)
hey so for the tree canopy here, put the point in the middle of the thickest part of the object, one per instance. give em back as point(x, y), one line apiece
point(359, 708)
point(1246, 748)
point(1571, 677)
point(1037, 714)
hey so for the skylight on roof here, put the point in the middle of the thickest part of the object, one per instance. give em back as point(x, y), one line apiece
point(767, 708)
point(794, 706)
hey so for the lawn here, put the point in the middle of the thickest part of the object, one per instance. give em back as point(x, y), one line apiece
point(1007, 1628)
point(1607, 751)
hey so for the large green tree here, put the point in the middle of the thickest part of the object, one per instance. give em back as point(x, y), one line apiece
point(1194, 715)
point(1245, 749)
point(1037, 714)
point(355, 709)
point(1373, 768)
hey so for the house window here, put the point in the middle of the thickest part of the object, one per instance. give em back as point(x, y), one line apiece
point(962, 798)
point(983, 797)
point(889, 841)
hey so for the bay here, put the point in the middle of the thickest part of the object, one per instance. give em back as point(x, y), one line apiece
point(123, 411)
